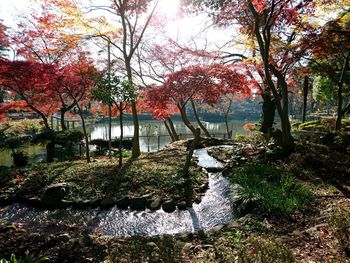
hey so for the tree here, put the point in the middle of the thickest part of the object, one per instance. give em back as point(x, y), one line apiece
point(133, 26)
point(111, 91)
point(331, 56)
point(77, 82)
point(277, 29)
point(203, 84)
point(32, 82)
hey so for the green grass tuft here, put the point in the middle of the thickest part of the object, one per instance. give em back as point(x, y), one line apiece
point(266, 190)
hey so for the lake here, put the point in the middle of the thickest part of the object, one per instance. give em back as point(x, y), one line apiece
point(153, 136)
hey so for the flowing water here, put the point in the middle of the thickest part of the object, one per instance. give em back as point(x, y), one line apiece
point(214, 209)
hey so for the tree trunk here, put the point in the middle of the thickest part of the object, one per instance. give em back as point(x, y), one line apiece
point(110, 131)
point(340, 107)
point(190, 153)
point(172, 128)
point(340, 93)
point(268, 113)
point(169, 131)
point(188, 180)
point(185, 119)
point(305, 94)
point(121, 135)
point(199, 121)
point(87, 149)
point(63, 124)
point(228, 131)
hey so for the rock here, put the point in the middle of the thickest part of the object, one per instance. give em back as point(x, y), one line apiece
point(108, 202)
point(53, 194)
point(63, 238)
point(152, 246)
point(169, 206)
point(156, 203)
point(56, 191)
point(203, 187)
point(215, 229)
point(214, 169)
point(138, 203)
point(187, 248)
point(34, 201)
point(233, 224)
point(123, 203)
point(182, 205)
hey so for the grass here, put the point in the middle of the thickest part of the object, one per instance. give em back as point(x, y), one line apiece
point(323, 125)
point(153, 173)
point(263, 189)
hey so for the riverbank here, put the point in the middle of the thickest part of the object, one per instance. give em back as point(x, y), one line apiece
point(149, 181)
point(318, 232)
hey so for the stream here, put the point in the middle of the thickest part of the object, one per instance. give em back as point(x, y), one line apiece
point(214, 209)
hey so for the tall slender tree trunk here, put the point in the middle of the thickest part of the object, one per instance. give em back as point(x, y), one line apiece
point(172, 128)
point(169, 131)
point(63, 124)
point(200, 124)
point(228, 131)
point(185, 119)
point(340, 93)
point(121, 134)
point(136, 140)
point(87, 149)
point(110, 131)
point(305, 94)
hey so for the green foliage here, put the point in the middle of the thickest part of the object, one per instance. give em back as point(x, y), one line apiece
point(324, 90)
point(340, 221)
point(22, 127)
point(68, 137)
point(112, 90)
point(29, 258)
point(240, 137)
point(263, 189)
point(323, 125)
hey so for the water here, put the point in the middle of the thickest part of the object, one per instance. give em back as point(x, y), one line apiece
point(149, 130)
point(214, 209)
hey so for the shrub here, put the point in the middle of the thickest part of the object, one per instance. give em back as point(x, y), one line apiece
point(266, 190)
point(28, 259)
point(20, 159)
point(340, 221)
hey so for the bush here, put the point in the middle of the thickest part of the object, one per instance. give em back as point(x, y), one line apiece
point(28, 259)
point(20, 159)
point(340, 221)
point(263, 189)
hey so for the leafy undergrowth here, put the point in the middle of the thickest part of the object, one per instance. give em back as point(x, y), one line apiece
point(340, 221)
point(21, 127)
point(153, 173)
point(265, 190)
point(324, 125)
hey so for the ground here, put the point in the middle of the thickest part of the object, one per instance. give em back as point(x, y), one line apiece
point(316, 233)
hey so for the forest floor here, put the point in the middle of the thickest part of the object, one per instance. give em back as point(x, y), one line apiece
point(319, 232)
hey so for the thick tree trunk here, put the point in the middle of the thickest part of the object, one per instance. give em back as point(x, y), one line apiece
point(185, 119)
point(169, 131)
point(172, 128)
point(121, 135)
point(268, 113)
point(200, 124)
point(305, 94)
point(87, 149)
